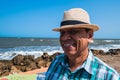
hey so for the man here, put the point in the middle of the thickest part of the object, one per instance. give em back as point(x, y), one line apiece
point(78, 62)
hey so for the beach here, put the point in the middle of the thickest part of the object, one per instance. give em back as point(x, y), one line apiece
point(111, 60)
point(23, 71)
point(34, 55)
point(36, 71)
point(27, 64)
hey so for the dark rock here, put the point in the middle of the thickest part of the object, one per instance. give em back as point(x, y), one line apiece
point(23, 60)
point(38, 59)
point(5, 67)
point(31, 66)
point(22, 68)
point(97, 52)
point(5, 73)
point(46, 57)
point(114, 51)
point(54, 55)
point(29, 57)
point(23, 63)
point(14, 70)
point(18, 60)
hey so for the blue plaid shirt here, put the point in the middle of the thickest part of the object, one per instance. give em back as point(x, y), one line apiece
point(92, 69)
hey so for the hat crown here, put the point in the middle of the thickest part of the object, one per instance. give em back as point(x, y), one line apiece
point(76, 18)
point(77, 14)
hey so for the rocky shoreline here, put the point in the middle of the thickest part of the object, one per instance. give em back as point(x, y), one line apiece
point(24, 63)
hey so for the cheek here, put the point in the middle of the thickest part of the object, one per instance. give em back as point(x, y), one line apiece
point(82, 44)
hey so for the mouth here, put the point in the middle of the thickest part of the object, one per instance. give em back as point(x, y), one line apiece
point(68, 45)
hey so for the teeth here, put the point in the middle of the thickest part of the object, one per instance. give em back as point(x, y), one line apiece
point(67, 45)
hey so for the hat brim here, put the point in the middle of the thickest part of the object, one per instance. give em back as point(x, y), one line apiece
point(89, 26)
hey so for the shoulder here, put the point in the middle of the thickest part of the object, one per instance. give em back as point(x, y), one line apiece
point(55, 64)
point(103, 65)
point(59, 58)
point(104, 69)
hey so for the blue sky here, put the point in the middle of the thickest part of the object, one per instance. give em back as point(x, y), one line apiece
point(37, 18)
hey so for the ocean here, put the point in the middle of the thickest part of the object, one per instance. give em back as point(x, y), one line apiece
point(10, 47)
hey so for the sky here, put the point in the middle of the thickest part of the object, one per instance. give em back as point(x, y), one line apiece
point(37, 18)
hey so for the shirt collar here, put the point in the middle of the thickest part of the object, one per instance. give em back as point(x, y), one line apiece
point(87, 65)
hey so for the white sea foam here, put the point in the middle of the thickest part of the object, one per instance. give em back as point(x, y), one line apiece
point(39, 50)
point(31, 50)
point(37, 47)
point(105, 48)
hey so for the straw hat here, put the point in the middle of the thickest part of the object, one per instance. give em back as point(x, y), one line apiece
point(76, 18)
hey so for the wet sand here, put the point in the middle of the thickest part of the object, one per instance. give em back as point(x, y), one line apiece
point(111, 60)
point(35, 71)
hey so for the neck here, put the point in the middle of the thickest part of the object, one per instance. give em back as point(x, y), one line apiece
point(77, 60)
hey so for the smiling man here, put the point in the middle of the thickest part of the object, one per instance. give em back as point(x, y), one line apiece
point(75, 45)
point(78, 62)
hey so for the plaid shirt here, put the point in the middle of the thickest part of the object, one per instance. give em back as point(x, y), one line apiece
point(92, 69)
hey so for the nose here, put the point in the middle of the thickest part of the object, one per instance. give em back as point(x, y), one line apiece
point(65, 36)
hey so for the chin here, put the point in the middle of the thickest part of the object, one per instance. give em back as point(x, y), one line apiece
point(69, 53)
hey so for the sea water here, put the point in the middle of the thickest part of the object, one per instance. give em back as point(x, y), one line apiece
point(10, 47)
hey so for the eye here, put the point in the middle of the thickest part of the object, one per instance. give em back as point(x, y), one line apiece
point(73, 31)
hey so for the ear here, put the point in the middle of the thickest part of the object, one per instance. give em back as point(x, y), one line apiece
point(90, 36)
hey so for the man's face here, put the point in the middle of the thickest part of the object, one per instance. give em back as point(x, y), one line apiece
point(74, 41)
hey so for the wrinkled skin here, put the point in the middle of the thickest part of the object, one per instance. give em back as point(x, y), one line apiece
point(75, 45)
